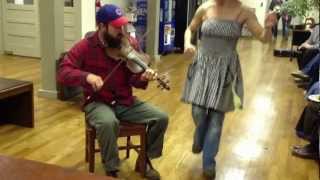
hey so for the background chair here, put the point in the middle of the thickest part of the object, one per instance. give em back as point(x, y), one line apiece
point(67, 92)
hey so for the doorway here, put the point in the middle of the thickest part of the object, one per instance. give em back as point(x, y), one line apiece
point(184, 13)
point(21, 27)
point(72, 23)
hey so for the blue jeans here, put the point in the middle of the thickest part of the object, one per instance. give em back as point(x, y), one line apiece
point(313, 66)
point(314, 89)
point(207, 134)
point(312, 70)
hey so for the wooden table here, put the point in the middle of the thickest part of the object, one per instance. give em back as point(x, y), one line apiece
point(16, 102)
point(20, 169)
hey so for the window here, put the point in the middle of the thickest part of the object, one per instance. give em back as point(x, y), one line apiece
point(20, 2)
point(68, 3)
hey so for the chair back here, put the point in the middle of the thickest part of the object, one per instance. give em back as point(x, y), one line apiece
point(299, 36)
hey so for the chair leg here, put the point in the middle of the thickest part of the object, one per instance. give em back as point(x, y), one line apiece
point(128, 147)
point(91, 152)
point(143, 155)
point(86, 147)
point(291, 53)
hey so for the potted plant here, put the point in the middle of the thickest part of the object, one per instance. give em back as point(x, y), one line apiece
point(300, 8)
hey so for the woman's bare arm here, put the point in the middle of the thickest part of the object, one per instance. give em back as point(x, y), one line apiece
point(264, 34)
point(194, 25)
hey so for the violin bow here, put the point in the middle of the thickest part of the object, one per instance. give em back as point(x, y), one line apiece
point(106, 79)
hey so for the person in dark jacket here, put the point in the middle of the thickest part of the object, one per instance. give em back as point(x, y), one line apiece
point(307, 128)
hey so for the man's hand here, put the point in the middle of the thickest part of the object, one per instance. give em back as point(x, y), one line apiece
point(305, 45)
point(95, 81)
point(149, 75)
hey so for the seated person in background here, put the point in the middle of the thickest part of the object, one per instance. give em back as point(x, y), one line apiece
point(309, 48)
point(87, 64)
point(314, 89)
point(310, 73)
point(307, 128)
point(309, 24)
point(313, 41)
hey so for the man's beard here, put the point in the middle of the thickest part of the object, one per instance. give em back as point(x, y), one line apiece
point(113, 42)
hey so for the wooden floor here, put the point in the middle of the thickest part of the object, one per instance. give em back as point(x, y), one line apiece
point(255, 144)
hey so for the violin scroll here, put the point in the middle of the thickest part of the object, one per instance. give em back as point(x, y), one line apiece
point(163, 81)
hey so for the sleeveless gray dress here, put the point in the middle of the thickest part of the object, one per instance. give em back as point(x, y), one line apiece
point(214, 78)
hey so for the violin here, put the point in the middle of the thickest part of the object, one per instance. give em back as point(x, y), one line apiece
point(136, 62)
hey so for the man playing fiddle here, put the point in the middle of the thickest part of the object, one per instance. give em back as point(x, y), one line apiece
point(87, 64)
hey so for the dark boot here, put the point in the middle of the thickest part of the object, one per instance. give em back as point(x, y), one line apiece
point(151, 173)
point(112, 173)
point(210, 174)
point(308, 151)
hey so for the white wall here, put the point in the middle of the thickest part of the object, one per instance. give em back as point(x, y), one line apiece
point(88, 16)
point(261, 7)
point(120, 3)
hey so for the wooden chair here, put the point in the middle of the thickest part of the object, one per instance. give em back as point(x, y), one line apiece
point(127, 130)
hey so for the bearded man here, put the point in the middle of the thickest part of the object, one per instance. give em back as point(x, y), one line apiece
point(87, 64)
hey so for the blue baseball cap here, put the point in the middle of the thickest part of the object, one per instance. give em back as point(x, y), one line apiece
point(111, 14)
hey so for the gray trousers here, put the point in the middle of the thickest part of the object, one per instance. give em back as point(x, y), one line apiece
point(106, 118)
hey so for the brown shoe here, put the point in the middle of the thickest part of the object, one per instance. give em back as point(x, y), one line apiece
point(151, 173)
point(112, 173)
point(299, 146)
point(210, 174)
point(304, 85)
point(196, 149)
point(298, 80)
point(300, 74)
point(305, 152)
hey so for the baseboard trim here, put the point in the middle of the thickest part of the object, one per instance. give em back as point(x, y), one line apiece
point(48, 94)
point(156, 57)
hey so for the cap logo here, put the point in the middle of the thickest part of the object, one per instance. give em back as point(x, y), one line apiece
point(118, 12)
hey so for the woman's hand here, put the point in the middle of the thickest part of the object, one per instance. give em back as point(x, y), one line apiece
point(270, 20)
point(189, 49)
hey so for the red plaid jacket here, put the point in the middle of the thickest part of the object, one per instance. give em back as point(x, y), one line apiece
point(88, 56)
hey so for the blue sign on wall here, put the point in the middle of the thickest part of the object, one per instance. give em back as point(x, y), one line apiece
point(167, 28)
